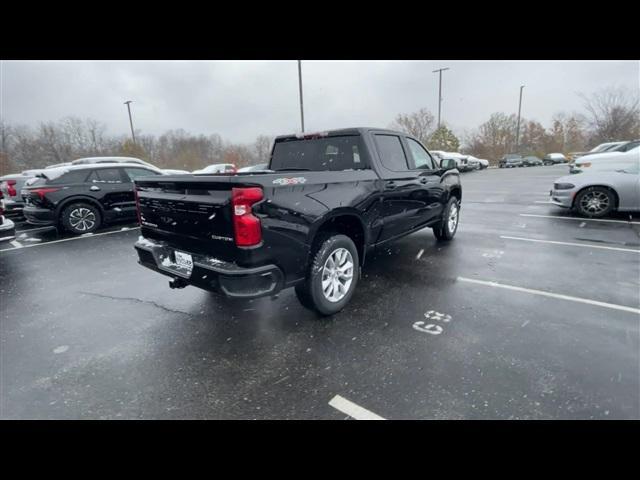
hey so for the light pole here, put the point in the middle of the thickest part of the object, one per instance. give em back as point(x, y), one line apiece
point(518, 127)
point(301, 102)
point(133, 135)
point(440, 91)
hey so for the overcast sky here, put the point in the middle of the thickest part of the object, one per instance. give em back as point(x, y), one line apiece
point(242, 99)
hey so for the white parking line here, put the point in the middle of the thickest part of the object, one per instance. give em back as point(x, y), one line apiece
point(69, 239)
point(613, 306)
point(16, 244)
point(579, 218)
point(353, 410)
point(586, 245)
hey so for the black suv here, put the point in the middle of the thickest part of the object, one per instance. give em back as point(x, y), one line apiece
point(81, 198)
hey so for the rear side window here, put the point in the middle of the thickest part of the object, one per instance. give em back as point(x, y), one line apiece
point(327, 153)
point(391, 153)
point(134, 173)
point(106, 175)
point(74, 176)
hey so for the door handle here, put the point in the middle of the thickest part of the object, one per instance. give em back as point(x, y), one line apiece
point(94, 188)
point(390, 185)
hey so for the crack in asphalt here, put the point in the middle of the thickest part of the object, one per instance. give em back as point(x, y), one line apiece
point(137, 300)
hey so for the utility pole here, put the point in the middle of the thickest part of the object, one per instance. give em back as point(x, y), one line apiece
point(518, 127)
point(133, 135)
point(440, 91)
point(301, 102)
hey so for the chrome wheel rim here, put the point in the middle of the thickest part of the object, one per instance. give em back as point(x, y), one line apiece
point(337, 275)
point(452, 221)
point(82, 219)
point(594, 202)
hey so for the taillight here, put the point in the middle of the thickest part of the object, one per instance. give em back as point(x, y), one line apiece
point(41, 192)
point(11, 190)
point(246, 226)
point(135, 193)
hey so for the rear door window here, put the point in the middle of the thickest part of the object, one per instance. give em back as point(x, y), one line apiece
point(107, 175)
point(74, 176)
point(391, 153)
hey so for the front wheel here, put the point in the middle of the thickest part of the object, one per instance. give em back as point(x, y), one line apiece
point(594, 202)
point(448, 227)
point(332, 276)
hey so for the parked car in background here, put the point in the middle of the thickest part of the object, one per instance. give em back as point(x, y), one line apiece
point(626, 146)
point(482, 163)
point(166, 171)
point(603, 147)
point(58, 165)
point(81, 198)
point(92, 160)
point(598, 193)
point(587, 162)
point(10, 186)
point(7, 227)
point(218, 168)
point(554, 158)
point(531, 161)
point(511, 160)
point(254, 168)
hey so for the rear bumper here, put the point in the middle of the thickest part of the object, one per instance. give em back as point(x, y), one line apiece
point(39, 216)
point(210, 273)
point(13, 209)
point(7, 231)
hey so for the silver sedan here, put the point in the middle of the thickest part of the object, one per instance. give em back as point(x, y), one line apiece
point(598, 193)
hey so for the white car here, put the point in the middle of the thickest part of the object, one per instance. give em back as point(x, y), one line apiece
point(175, 172)
point(218, 168)
point(590, 162)
point(482, 163)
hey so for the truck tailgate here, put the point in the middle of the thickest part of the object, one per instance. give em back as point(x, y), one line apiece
point(193, 214)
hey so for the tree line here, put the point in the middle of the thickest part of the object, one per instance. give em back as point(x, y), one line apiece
point(23, 147)
point(608, 115)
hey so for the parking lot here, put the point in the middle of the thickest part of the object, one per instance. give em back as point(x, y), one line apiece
point(529, 313)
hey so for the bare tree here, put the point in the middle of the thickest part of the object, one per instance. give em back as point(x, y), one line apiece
point(262, 148)
point(419, 124)
point(613, 114)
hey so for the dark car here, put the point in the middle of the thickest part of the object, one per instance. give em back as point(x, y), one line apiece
point(82, 198)
point(7, 227)
point(328, 200)
point(510, 161)
point(531, 161)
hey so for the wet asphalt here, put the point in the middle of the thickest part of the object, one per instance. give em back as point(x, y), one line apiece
point(87, 333)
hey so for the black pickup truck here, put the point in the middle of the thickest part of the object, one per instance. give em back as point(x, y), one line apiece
point(308, 222)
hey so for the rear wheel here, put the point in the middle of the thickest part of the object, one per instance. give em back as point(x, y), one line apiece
point(448, 227)
point(594, 202)
point(81, 218)
point(332, 276)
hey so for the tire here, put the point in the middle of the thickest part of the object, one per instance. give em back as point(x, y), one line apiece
point(81, 218)
point(447, 228)
point(594, 202)
point(332, 249)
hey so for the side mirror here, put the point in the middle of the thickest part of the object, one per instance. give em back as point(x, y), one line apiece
point(448, 164)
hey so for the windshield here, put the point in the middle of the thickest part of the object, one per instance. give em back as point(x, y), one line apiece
point(328, 153)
